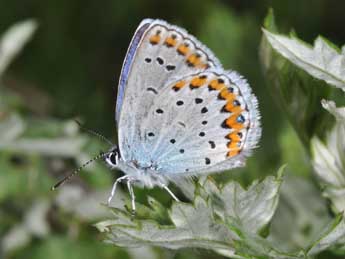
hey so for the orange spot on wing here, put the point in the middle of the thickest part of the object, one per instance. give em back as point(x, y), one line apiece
point(233, 153)
point(233, 145)
point(170, 42)
point(193, 60)
point(227, 95)
point(183, 49)
point(237, 126)
point(155, 39)
point(233, 136)
point(216, 85)
point(232, 123)
point(179, 85)
point(229, 106)
point(198, 81)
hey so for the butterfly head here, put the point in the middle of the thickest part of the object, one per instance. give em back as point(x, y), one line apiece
point(112, 157)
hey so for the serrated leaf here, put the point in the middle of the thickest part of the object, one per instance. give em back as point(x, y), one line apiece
point(321, 61)
point(253, 207)
point(188, 231)
point(253, 246)
point(295, 91)
point(201, 224)
point(13, 41)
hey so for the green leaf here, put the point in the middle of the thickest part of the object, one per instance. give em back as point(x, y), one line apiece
point(296, 91)
point(14, 40)
point(333, 235)
point(252, 246)
point(224, 219)
point(202, 224)
point(300, 216)
point(329, 160)
point(194, 226)
point(322, 61)
point(253, 207)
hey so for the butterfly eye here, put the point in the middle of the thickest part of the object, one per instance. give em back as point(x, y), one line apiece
point(112, 159)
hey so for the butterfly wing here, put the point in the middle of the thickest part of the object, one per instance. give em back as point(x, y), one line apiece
point(158, 53)
point(202, 123)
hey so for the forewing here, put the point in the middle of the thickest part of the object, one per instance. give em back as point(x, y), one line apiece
point(158, 54)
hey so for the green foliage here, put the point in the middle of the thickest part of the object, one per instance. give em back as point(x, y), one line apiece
point(27, 146)
point(226, 219)
point(276, 217)
point(206, 223)
point(328, 159)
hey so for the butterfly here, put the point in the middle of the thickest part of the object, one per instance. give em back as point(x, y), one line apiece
point(178, 112)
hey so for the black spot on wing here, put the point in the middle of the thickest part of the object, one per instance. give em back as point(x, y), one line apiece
point(212, 144)
point(204, 110)
point(182, 124)
point(151, 89)
point(160, 61)
point(207, 161)
point(170, 67)
point(198, 100)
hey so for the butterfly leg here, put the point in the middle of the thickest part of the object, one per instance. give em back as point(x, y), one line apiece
point(170, 192)
point(118, 180)
point(131, 193)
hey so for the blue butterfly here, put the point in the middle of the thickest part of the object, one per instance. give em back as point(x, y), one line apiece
point(178, 112)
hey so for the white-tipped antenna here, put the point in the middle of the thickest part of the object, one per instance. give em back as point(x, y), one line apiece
point(92, 132)
point(61, 182)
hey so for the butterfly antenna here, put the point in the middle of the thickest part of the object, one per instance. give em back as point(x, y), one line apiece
point(92, 132)
point(61, 182)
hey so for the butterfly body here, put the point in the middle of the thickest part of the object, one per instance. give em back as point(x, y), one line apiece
point(146, 175)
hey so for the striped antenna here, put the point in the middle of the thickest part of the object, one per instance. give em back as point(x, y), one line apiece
point(61, 182)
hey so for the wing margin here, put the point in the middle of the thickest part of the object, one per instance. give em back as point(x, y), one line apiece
point(127, 64)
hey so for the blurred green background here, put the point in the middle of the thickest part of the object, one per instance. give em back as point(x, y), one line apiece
point(70, 70)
